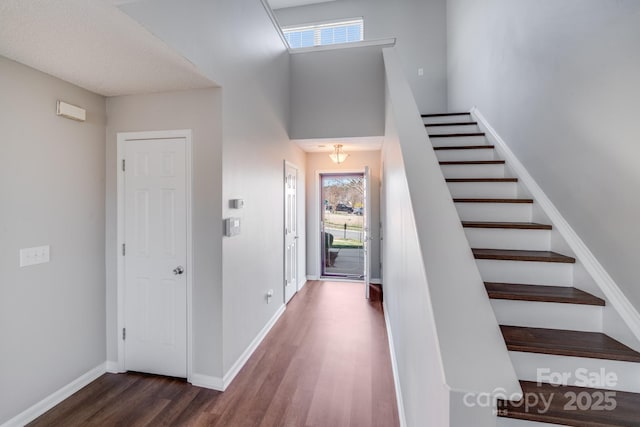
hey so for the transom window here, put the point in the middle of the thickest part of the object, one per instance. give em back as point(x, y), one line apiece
point(345, 31)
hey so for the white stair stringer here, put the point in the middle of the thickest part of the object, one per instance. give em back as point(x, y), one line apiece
point(626, 374)
point(500, 238)
point(549, 315)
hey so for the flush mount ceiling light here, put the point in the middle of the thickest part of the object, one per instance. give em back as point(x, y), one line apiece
point(338, 156)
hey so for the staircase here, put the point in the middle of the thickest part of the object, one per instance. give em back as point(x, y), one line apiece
point(571, 373)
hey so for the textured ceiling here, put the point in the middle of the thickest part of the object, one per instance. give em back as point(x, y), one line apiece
point(281, 4)
point(94, 45)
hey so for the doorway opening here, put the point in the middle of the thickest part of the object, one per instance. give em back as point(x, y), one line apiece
point(343, 225)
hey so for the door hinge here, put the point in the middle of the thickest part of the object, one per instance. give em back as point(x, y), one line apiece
point(124, 249)
point(124, 334)
point(123, 165)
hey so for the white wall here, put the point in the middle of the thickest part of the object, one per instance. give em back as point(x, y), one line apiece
point(320, 162)
point(52, 316)
point(418, 25)
point(559, 82)
point(337, 93)
point(200, 111)
point(251, 64)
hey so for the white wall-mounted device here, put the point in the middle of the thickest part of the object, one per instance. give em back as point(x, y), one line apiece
point(237, 203)
point(231, 227)
point(33, 256)
point(71, 111)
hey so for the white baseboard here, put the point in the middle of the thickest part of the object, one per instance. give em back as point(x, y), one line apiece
point(206, 381)
point(609, 287)
point(231, 374)
point(311, 277)
point(56, 397)
point(394, 367)
point(302, 283)
point(113, 367)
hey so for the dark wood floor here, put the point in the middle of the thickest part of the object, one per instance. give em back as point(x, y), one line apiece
point(325, 363)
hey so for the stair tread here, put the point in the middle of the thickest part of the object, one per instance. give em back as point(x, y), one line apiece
point(626, 412)
point(455, 135)
point(466, 147)
point(474, 162)
point(541, 293)
point(594, 345)
point(508, 225)
point(445, 114)
point(468, 200)
point(482, 179)
point(450, 124)
point(520, 255)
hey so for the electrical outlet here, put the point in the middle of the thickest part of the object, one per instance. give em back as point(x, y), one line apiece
point(420, 72)
point(33, 256)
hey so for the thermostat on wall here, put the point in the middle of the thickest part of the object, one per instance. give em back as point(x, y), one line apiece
point(231, 227)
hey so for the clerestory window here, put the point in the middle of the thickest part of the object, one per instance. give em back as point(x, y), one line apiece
point(344, 31)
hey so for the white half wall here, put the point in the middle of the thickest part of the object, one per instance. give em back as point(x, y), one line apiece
point(52, 316)
point(559, 82)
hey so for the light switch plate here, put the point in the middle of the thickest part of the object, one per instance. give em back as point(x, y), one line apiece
point(33, 256)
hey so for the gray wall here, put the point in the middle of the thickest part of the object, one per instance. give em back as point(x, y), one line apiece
point(200, 111)
point(418, 25)
point(52, 316)
point(251, 64)
point(559, 82)
point(320, 162)
point(337, 93)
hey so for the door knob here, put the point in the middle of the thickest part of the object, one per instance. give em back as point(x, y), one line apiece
point(178, 270)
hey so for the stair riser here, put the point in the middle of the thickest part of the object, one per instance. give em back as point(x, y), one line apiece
point(496, 212)
point(496, 238)
point(527, 365)
point(435, 130)
point(465, 155)
point(489, 190)
point(473, 171)
point(448, 119)
point(510, 422)
point(577, 317)
point(534, 273)
point(458, 140)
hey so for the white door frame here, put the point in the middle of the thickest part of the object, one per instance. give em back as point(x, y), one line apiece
point(284, 238)
point(122, 138)
point(316, 214)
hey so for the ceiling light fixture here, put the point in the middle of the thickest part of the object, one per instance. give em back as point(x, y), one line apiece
point(338, 156)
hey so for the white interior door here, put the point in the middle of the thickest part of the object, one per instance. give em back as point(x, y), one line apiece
point(366, 243)
point(155, 252)
point(290, 231)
